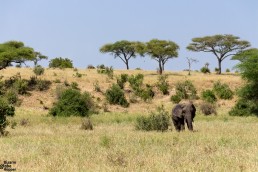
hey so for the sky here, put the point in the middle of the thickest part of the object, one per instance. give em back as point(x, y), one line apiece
point(76, 29)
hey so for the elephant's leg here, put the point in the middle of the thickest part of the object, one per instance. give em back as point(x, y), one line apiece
point(189, 123)
point(177, 124)
point(182, 124)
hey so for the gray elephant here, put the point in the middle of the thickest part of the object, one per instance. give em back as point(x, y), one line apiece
point(181, 113)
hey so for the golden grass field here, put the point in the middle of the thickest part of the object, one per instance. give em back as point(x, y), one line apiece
point(221, 142)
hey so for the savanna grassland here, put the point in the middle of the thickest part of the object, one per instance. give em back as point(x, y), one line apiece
point(45, 143)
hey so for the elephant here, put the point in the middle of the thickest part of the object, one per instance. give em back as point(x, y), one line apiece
point(181, 113)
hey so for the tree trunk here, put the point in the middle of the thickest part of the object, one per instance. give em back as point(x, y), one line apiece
point(127, 65)
point(160, 68)
point(189, 69)
point(219, 72)
point(163, 66)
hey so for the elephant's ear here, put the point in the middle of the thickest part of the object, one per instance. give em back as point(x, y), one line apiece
point(181, 111)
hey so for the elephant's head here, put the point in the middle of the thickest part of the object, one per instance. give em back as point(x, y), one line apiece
point(188, 110)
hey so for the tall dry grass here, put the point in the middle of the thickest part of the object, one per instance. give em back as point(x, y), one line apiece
point(221, 143)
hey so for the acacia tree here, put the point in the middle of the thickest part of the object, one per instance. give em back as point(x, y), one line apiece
point(38, 57)
point(15, 52)
point(222, 46)
point(161, 51)
point(125, 50)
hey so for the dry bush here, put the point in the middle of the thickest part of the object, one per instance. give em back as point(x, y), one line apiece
point(24, 122)
point(86, 124)
point(208, 109)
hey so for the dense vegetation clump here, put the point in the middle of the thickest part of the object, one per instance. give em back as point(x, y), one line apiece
point(121, 80)
point(163, 84)
point(208, 96)
point(42, 85)
point(222, 91)
point(61, 63)
point(12, 97)
point(145, 92)
point(205, 70)
point(72, 103)
point(158, 121)
point(90, 67)
point(184, 90)
point(109, 71)
point(115, 95)
point(22, 86)
point(5, 110)
point(248, 95)
point(136, 82)
point(38, 70)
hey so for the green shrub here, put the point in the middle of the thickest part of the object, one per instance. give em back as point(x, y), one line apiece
point(57, 81)
point(158, 121)
point(248, 94)
point(121, 80)
point(147, 93)
point(32, 82)
point(2, 86)
point(5, 110)
point(43, 85)
point(73, 103)
point(115, 95)
point(74, 85)
point(208, 96)
point(136, 83)
point(102, 66)
point(90, 67)
point(205, 70)
point(60, 63)
point(78, 75)
point(163, 85)
point(144, 92)
point(10, 82)
point(227, 70)
point(222, 91)
point(102, 69)
point(175, 98)
point(244, 108)
point(38, 70)
point(184, 90)
point(216, 69)
point(21, 86)
point(12, 97)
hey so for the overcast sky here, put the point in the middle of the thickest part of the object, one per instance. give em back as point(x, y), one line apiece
point(76, 29)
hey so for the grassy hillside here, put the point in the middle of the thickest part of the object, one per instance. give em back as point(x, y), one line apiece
point(45, 143)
